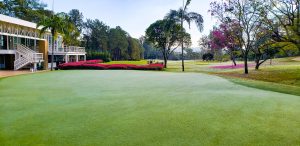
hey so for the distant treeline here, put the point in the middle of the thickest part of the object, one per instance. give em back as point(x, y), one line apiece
point(96, 36)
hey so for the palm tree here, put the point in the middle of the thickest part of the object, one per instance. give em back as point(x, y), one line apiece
point(182, 15)
point(56, 24)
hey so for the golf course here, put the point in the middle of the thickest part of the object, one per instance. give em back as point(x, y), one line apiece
point(113, 107)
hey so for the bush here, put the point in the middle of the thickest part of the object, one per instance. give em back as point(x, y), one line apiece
point(95, 65)
point(105, 56)
point(92, 61)
point(208, 57)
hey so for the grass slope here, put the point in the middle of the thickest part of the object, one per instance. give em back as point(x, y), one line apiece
point(142, 108)
point(283, 74)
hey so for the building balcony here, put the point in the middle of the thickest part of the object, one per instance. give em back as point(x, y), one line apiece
point(68, 50)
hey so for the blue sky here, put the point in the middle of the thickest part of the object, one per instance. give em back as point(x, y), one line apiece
point(134, 16)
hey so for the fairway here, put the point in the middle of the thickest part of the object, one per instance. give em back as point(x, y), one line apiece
point(142, 108)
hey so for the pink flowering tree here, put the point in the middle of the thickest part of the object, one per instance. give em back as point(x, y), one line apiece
point(225, 38)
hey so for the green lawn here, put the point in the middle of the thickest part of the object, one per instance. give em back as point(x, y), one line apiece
point(142, 108)
point(282, 76)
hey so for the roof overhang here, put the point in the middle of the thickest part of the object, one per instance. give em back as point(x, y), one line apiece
point(17, 21)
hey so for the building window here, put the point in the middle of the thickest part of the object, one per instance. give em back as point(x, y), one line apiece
point(1, 42)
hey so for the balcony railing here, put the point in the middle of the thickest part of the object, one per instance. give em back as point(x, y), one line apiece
point(74, 49)
point(37, 57)
point(69, 49)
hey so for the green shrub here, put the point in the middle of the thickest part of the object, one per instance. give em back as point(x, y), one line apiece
point(105, 56)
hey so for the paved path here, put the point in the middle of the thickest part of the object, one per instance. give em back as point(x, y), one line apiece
point(297, 59)
point(8, 73)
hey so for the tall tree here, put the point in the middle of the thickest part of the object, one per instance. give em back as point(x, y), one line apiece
point(247, 14)
point(134, 49)
point(283, 16)
point(57, 24)
point(75, 18)
point(204, 42)
point(30, 10)
point(118, 43)
point(96, 35)
point(224, 37)
point(71, 37)
point(166, 35)
point(183, 15)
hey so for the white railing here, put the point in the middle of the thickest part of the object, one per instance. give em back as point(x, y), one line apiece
point(74, 49)
point(69, 49)
point(25, 56)
point(37, 57)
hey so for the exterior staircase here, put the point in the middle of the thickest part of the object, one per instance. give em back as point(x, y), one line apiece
point(25, 56)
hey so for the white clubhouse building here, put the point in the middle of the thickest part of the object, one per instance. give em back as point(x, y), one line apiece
point(22, 46)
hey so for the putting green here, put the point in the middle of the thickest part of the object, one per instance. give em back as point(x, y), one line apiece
point(142, 108)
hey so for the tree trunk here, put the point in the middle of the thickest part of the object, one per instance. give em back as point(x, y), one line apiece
point(182, 54)
point(234, 62)
point(52, 52)
point(298, 16)
point(246, 62)
point(165, 61)
point(182, 58)
point(257, 64)
point(233, 59)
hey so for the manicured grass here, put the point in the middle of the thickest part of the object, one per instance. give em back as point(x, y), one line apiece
point(288, 74)
point(282, 76)
point(141, 62)
point(190, 66)
point(142, 108)
point(270, 86)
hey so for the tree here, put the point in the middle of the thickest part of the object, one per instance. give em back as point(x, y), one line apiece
point(57, 24)
point(204, 42)
point(283, 20)
point(263, 48)
point(100, 38)
point(71, 36)
point(183, 15)
point(134, 49)
point(248, 15)
point(191, 54)
point(150, 52)
point(223, 37)
point(118, 43)
point(76, 18)
point(30, 10)
point(96, 35)
point(166, 35)
point(208, 57)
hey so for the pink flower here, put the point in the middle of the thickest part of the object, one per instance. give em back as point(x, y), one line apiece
point(95, 65)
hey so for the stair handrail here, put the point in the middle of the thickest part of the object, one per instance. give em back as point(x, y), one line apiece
point(25, 56)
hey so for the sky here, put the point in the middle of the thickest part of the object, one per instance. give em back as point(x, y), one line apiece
point(135, 16)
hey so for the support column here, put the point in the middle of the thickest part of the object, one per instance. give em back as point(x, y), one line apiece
point(84, 57)
point(77, 58)
point(7, 42)
point(66, 58)
point(35, 67)
point(43, 48)
point(35, 45)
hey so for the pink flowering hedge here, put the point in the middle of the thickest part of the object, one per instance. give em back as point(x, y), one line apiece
point(96, 65)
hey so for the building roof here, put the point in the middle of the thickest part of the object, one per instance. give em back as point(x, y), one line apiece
point(17, 21)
